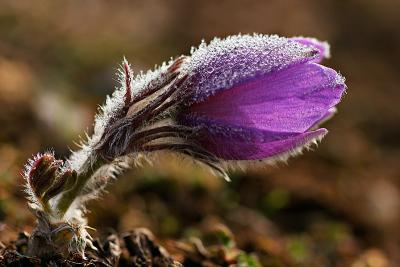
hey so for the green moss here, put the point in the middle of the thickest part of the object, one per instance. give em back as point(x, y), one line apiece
point(248, 260)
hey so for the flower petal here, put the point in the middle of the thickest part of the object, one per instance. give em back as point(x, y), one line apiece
point(227, 62)
point(323, 48)
point(289, 100)
point(331, 112)
point(239, 143)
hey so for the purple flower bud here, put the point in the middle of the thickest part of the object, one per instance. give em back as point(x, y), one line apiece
point(42, 173)
point(256, 97)
point(246, 97)
point(46, 178)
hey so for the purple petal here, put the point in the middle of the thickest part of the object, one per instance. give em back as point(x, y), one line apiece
point(225, 63)
point(322, 47)
point(237, 143)
point(331, 112)
point(291, 100)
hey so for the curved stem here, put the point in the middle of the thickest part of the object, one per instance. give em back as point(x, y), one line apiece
point(68, 197)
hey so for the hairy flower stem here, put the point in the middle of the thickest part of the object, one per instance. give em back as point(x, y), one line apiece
point(68, 197)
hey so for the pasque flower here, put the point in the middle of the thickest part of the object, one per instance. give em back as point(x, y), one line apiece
point(246, 97)
point(242, 98)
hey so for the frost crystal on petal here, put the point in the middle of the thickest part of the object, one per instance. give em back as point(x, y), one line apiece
point(226, 62)
point(323, 48)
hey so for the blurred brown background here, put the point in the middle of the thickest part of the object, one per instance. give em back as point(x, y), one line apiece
point(336, 206)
